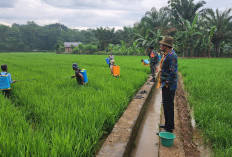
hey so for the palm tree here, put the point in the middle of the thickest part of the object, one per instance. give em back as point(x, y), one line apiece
point(153, 20)
point(105, 36)
point(185, 9)
point(222, 20)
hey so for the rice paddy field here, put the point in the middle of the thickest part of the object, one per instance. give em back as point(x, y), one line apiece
point(209, 84)
point(49, 114)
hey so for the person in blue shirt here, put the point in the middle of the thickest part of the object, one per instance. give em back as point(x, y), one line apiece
point(168, 81)
point(4, 72)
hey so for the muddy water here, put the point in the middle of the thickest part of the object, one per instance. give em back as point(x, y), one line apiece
point(147, 142)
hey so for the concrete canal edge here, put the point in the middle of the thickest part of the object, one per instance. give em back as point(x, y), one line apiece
point(120, 141)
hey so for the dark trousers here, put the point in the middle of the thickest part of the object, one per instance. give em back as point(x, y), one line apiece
point(152, 66)
point(6, 93)
point(168, 106)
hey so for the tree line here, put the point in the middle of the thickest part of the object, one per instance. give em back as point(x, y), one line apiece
point(197, 32)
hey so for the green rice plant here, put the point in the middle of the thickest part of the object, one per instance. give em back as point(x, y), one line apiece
point(209, 84)
point(53, 116)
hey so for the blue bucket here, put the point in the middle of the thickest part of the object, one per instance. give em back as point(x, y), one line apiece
point(4, 82)
point(83, 72)
point(107, 61)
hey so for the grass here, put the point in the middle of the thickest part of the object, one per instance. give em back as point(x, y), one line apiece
point(210, 86)
point(48, 114)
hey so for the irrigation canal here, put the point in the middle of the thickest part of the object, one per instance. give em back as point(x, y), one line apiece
point(147, 142)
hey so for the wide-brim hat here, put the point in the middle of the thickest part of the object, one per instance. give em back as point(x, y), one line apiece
point(168, 41)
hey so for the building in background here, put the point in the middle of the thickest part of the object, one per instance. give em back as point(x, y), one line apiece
point(69, 46)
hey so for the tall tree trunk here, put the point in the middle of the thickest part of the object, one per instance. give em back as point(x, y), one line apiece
point(219, 52)
point(209, 50)
point(192, 50)
point(183, 51)
point(218, 49)
point(204, 53)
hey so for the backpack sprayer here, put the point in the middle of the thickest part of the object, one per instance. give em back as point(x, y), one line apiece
point(4, 82)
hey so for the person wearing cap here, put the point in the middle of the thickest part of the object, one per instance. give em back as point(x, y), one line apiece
point(154, 59)
point(168, 81)
point(4, 72)
point(78, 75)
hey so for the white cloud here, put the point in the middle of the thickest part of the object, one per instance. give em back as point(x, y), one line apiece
point(83, 13)
point(5, 23)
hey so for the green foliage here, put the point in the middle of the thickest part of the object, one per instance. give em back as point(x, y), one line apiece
point(223, 21)
point(123, 49)
point(85, 49)
point(151, 38)
point(51, 115)
point(59, 47)
point(208, 81)
point(184, 9)
point(76, 50)
point(184, 20)
point(189, 37)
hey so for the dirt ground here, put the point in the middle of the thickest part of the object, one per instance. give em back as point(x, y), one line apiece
point(183, 144)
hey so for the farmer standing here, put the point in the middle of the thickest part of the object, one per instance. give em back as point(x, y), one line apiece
point(168, 81)
point(4, 72)
point(78, 75)
point(153, 61)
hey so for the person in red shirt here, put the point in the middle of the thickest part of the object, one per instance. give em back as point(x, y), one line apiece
point(154, 59)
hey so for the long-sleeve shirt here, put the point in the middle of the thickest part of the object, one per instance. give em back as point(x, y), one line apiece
point(8, 74)
point(111, 57)
point(154, 59)
point(169, 70)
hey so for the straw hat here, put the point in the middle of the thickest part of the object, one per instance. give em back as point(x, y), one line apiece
point(112, 61)
point(168, 41)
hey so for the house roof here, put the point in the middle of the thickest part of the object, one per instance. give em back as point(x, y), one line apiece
point(68, 44)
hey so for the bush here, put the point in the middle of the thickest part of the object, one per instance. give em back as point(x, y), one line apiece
point(76, 50)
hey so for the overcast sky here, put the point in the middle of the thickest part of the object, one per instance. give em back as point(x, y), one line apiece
point(85, 13)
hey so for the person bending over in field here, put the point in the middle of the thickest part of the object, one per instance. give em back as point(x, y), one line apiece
point(78, 75)
point(111, 57)
point(111, 66)
point(4, 72)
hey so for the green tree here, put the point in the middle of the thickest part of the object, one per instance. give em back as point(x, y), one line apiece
point(222, 20)
point(105, 36)
point(59, 47)
point(189, 37)
point(153, 20)
point(183, 9)
point(147, 41)
point(3, 37)
point(206, 41)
